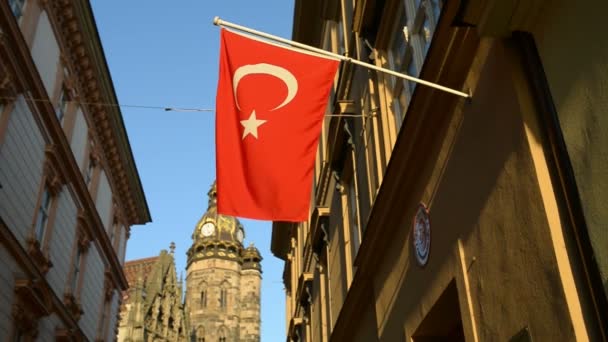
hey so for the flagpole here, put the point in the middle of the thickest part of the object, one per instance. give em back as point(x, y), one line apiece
point(219, 22)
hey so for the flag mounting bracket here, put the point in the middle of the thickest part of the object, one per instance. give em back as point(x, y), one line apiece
point(219, 22)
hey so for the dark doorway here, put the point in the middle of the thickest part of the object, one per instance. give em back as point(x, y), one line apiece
point(443, 322)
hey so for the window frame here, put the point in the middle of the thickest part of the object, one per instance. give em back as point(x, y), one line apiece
point(52, 183)
point(223, 299)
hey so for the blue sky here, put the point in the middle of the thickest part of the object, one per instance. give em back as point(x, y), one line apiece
point(165, 53)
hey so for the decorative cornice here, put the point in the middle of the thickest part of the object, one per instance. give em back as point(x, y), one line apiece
point(215, 249)
point(83, 231)
point(37, 255)
point(8, 85)
point(52, 170)
point(74, 20)
point(108, 285)
point(32, 302)
point(319, 219)
point(73, 305)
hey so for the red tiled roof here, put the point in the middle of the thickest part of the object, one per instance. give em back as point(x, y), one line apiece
point(132, 267)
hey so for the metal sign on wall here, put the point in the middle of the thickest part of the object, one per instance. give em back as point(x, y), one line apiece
point(422, 234)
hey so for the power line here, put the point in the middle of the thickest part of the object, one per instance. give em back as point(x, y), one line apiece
point(164, 108)
point(107, 104)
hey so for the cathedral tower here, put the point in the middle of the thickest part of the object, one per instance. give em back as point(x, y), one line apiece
point(223, 280)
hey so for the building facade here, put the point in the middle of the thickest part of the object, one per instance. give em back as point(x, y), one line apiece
point(223, 288)
point(152, 308)
point(69, 188)
point(440, 218)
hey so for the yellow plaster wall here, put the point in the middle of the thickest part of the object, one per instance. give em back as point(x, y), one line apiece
point(571, 39)
point(487, 197)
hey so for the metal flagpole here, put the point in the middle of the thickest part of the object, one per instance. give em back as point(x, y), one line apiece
point(219, 22)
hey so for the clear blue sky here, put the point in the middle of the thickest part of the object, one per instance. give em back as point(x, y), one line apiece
point(165, 53)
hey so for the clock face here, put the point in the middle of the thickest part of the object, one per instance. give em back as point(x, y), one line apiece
point(422, 235)
point(207, 229)
point(239, 235)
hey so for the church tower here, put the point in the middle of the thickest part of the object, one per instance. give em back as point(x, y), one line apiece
point(223, 280)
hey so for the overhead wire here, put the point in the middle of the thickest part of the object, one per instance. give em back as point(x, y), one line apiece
point(108, 104)
point(164, 108)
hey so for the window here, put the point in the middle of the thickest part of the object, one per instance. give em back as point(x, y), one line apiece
point(62, 105)
point(222, 333)
point(400, 59)
point(436, 6)
point(203, 298)
point(223, 298)
point(76, 270)
point(408, 48)
point(43, 216)
point(200, 335)
point(104, 316)
point(113, 231)
point(88, 175)
point(104, 320)
point(16, 7)
point(423, 34)
point(353, 213)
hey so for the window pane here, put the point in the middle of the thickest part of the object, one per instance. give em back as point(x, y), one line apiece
point(399, 44)
point(16, 7)
point(88, 176)
point(425, 34)
point(411, 70)
point(353, 218)
point(62, 105)
point(76, 270)
point(436, 7)
point(43, 215)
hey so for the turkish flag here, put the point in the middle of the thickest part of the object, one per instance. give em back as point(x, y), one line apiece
point(270, 105)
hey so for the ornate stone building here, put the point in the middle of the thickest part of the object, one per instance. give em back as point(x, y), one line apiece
point(69, 187)
point(152, 307)
point(223, 284)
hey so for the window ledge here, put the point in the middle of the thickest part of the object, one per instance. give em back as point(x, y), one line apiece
point(73, 305)
point(38, 256)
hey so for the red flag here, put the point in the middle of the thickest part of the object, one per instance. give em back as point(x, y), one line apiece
point(269, 109)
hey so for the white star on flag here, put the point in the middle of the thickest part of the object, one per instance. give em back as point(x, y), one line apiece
point(251, 125)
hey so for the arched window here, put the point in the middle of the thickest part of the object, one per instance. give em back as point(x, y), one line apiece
point(200, 334)
point(203, 299)
point(222, 333)
point(223, 299)
point(202, 286)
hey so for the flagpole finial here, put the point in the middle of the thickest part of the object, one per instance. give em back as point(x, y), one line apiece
point(216, 21)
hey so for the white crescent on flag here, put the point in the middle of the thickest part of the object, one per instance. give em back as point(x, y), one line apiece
point(269, 69)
